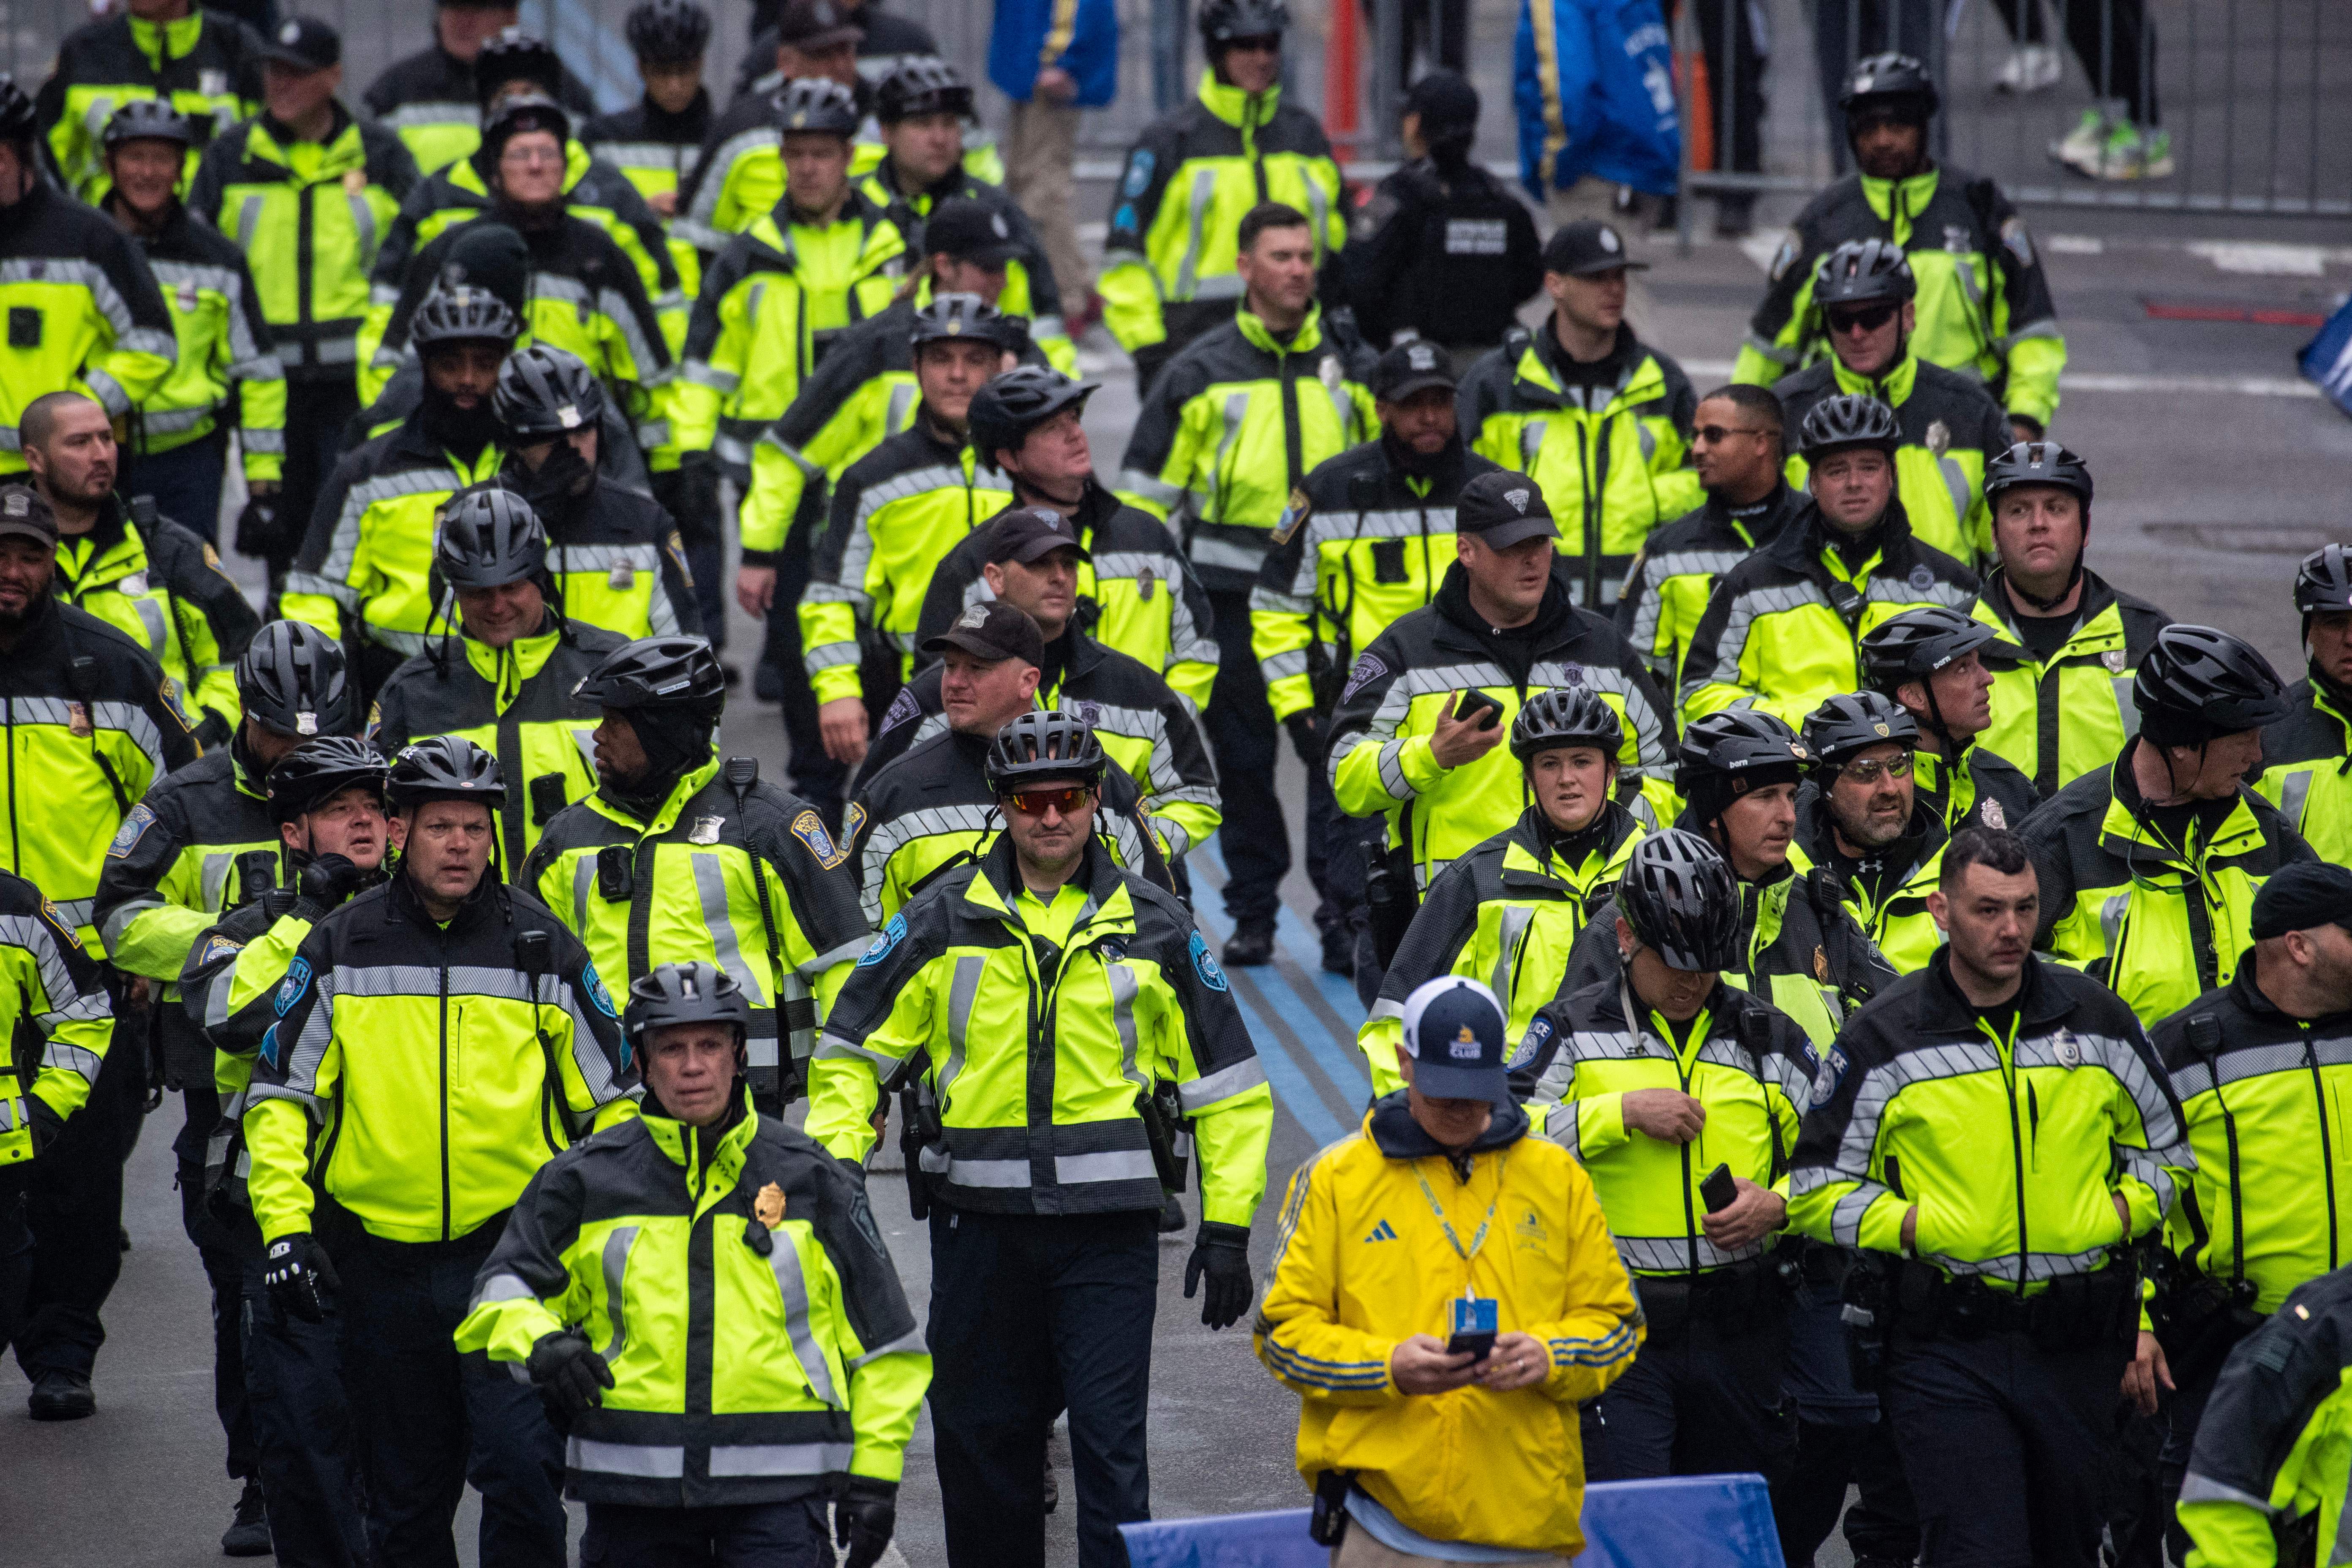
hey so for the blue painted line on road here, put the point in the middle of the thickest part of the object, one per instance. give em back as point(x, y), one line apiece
point(1336, 1056)
point(1290, 1083)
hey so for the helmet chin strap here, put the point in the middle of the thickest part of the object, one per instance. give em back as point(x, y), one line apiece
point(2051, 604)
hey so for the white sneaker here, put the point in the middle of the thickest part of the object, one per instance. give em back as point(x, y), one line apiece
point(2079, 149)
point(2030, 69)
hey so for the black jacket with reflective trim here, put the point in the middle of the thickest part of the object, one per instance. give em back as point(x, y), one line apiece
point(1992, 793)
point(432, 78)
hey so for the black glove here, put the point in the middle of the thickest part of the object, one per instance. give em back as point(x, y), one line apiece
point(298, 1273)
point(329, 879)
point(259, 534)
point(697, 497)
point(569, 1374)
point(864, 1516)
point(47, 1125)
point(1307, 737)
point(1223, 1253)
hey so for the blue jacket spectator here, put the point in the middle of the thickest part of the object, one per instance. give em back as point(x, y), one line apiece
point(1593, 84)
point(1079, 35)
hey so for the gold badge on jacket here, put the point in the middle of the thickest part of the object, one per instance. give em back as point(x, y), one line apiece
point(1821, 967)
point(767, 1205)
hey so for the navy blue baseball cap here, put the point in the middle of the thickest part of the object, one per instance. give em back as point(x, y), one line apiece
point(1454, 1032)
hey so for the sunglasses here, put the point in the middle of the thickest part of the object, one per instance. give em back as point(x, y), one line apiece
point(1870, 772)
point(1714, 432)
point(1263, 45)
point(1867, 320)
point(1038, 801)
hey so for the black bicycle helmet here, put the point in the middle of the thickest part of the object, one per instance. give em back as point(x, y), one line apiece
point(692, 993)
point(1004, 412)
point(148, 120)
point(462, 314)
point(1223, 21)
point(19, 122)
point(1048, 745)
point(656, 672)
point(1849, 724)
point(1682, 900)
point(291, 682)
point(523, 112)
point(1918, 643)
point(545, 393)
point(1725, 755)
point(1566, 716)
point(1863, 271)
point(516, 55)
point(446, 767)
point(966, 316)
point(320, 770)
point(816, 103)
point(1849, 419)
point(1898, 83)
point(922, 85)
point(489, 538)
point(2198, 684)
point(668, 32)
point(2323, 583)
point(2040, 463)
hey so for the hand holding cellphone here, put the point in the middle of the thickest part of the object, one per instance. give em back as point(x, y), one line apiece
point(1474, 703)
point(1475, 1327)
point(1719, 1191)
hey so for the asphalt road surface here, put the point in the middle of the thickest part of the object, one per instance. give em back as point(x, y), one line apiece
point(2216, 469)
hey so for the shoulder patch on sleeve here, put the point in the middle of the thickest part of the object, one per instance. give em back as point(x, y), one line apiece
point(1367, 669)
point(1294, 516)
point(217, 948)
point(1531, 1044)
point(1205, 966)
point(675, 545)
point(1792, 246)
point(63, 927)
point(852, 822)
point(594, 984)
point(892, 935)
point(902, 709)
point(291, 989)
point(2019, 242)
point(169, 692)
point(1140, 165)
point(1825, 1081)
point(809, 828)
point(134, 827)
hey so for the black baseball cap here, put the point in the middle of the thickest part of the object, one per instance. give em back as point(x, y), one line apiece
point(1030, 533)
point(1586, 246)
point(2301, 897)
point(816, 23)
point(25, 514)
point(1503, 508)
point(970, 231)
point(1454, 1032)
point(1409, 368)
point(991, 629)
point(1445, 101)
point(305, 43)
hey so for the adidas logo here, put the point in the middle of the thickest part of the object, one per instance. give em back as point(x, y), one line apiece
point(1382, 1232)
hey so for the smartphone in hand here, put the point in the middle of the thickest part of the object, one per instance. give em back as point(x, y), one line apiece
point(1720, 1190)
point(1476, 704)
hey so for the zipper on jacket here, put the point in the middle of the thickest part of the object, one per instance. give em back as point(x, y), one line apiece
point(1591, 517)
point(2327, 1145)
point(15, 854)
point(2034, 1116)
point(445, 1101)
point(305, 270)
point(2008, 1054)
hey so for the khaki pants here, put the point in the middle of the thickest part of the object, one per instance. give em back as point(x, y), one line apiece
point(1595, 198)
point(1359, 1549)
point(1039, 151)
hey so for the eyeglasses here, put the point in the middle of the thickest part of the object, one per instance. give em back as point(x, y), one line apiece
point(1714, 432)
point(1868, 319)
point(1038, 801)
point(1869, 773)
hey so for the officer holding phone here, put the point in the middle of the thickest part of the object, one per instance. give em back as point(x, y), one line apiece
point(1681, 1097)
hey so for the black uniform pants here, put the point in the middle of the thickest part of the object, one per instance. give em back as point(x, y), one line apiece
point(1701, 1399)
point(223, 1271)
point(303, 1433)
point(1029, 1316)
point(2011, 1449)
point(1842, 1440)
point(430, 1420)
point(745, 1535)
point(74, 1207)
point(16, 1255)
point(1254, 838)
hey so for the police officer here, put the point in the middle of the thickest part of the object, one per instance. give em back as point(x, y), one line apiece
point(431, 98)
point(1105, 975)
point(1932, 661)
point(1860, 818)
point(1418, 731)
point(325, 815)
point(1780, 629)
point(198, 61)
point(1445, 251)
point(2256, 1065)
point(1950, 427)
point(2061, 693)
point(98, 325)
point(545, 1302)
point(655, 141)
point(531, 1060)
point(895, 513)
point(1171, 268)
point(1983, 305)
point(1221, 450)
point(1999, 1121)
point(1507, 910)
point(151, 579)
point(1685, 1117)
point(305, 189)
point(504, 670)
point(217, 319)
point(1033, 560)
point(1143, 596)
point(615, 555)
point(2303, 752)
point(378, 508)
point(2149, 868)
point(688, 855)
point(1735, 450)
point(739, 175)
point(1597, 417)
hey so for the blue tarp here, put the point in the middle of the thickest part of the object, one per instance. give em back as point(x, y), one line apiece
point(1687, 1521)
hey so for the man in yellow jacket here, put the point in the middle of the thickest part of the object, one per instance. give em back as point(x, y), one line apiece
point(1412, 1236)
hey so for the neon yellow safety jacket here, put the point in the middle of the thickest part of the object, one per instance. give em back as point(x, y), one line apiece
point(2060, 720)
point(2306, 772)
point(207, 65)
point(57, 1020)
point(1886, 890)
point(1669, 583)
point(224, 344)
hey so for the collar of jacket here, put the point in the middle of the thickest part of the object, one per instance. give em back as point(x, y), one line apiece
point(774, 228)
point(2122, 832)
point(245, 768)
point(1723, 1006)
point(994, 890)
point(1082, 655)
point(116, 546)
point(1097, 504)
point(1554, 624)
point(506, 669)
point(691, 123)
point(2096, 600)
point(171, 40)
point(1897, 202)
point(954, 182)
point(472, 174)
point(1534, 855)
point(1893, 389)
point(1397, 1136)
point(681, 1143)
point(272, 140)
point(401, 902)
point(1805, 537)
point(1242, 110)
point(2326, 696)
point(1944, 1010)
point(1538, 378)
point(174, 226)
point(1768, 522)
point(1440, 474)
point(1817, 830)
point(689, 785)
point(1306, 340)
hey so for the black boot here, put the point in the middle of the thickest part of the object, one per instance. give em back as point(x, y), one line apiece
point(1250, 945)
point(248, 1532)
point(61, 1396)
